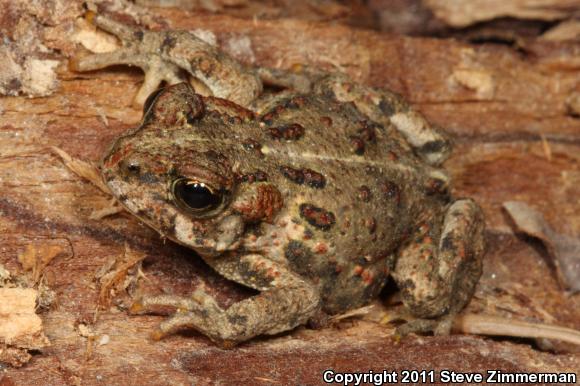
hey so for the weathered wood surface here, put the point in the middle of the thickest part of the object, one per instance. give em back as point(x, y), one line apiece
point(517, 138)
point(459, 13)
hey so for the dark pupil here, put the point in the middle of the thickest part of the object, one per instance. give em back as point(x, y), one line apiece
point(195, 195)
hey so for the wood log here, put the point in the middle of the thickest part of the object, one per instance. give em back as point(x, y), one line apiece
point(517, 137)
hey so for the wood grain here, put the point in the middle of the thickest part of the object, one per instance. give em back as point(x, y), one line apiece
point(516, 139)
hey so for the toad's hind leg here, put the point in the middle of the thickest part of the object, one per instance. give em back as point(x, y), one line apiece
point(285, 301)
point(173, 57)
point(385, 107)
point(138, 50)
point(438, 279)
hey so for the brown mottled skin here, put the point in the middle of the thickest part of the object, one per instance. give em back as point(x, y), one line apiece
point(324, 192)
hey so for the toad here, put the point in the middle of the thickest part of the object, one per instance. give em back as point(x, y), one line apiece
point(314, 196)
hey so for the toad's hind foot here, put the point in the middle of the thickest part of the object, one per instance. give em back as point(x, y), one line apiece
point(137, 50)
point(172, 57)
point(437, 278)
point(441, 326)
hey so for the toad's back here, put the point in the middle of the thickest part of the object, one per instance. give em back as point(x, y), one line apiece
point(352, 190)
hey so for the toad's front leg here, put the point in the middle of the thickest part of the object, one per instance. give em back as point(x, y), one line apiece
point(286, 301)
point(165, 56)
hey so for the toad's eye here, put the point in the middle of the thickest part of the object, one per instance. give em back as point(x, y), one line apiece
point(195, 196)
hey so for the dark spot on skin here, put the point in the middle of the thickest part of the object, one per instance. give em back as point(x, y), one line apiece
point(138, 35)
point(293, 175)
point(191, 118)
point(391, 191)
point(364, 193)
point(295, 103)
point(308, 234)
point(317, 217)
point(329, 94)
point(167, 227)
point(268, 119)
point(257, 176)
point(386, 107)
point(433, 147)
point(326, 121)
point(367, 132)
point(234, 120)
point(122, 197)
point(447, 242)
point(248, 271)
point(392, 156)
point(299, 256)
point(357, 145)
point(237, 319)
point(314, 179)
point(435, 186)
point(360, 261)
point(407, 285)
point(304, 176)
point(279, 109)
point(215, 157)
point(290, 132)
point(274, 112)
point(168, 42)
point(148, 178)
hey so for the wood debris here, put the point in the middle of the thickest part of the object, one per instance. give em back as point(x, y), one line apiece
point(564, 250)
point(20, 327)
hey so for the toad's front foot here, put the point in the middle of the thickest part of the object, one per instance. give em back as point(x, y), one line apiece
point(286, 300)
point(187, 312)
